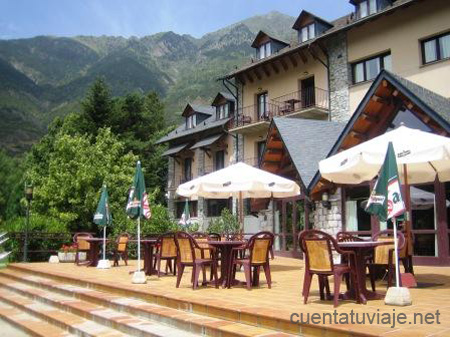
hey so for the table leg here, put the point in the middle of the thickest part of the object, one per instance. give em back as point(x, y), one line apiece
point(93, 252)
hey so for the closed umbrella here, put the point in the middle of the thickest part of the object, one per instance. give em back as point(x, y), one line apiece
point(242, 181)
point(102, 217)
point(138, 207)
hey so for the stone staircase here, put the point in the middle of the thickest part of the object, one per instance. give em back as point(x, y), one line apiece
point(43, 305)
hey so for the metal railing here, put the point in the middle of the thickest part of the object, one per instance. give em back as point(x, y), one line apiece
point(252, 114)
point(303, 99)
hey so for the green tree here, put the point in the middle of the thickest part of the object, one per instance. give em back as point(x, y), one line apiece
point(77, 166)
point(97, 106)
point(11, 188)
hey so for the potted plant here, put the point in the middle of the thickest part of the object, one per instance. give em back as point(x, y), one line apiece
point(67, 253)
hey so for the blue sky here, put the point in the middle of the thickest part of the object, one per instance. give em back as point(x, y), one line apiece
point(27, 18)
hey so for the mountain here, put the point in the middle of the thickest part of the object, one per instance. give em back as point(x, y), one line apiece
point(45, 76)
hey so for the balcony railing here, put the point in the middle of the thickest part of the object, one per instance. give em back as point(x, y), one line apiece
point(252, 114)
point(301, 100)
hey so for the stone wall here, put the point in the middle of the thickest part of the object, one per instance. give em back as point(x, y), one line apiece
point(329, 220)
point(201, 204)
point(340, 77)
point(170, 184)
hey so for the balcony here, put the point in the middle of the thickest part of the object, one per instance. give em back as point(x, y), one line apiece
point(251, 120)
point(311, 103)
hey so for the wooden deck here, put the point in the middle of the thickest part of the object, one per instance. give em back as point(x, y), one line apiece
point(263, 307)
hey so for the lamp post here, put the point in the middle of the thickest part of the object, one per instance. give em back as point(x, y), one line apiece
point(29, 197)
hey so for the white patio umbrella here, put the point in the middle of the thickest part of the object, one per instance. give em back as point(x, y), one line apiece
point(420, 155)
point(424, 154)
point(242, 181)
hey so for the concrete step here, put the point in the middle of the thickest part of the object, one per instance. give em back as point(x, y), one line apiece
point(28, 324)
point(76, 298)
point(65, 320)
point(110, 318)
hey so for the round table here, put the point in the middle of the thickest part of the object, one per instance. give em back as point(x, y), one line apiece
point(226, 268)
point(148, 245)
point(361, 294)
point(94, 250)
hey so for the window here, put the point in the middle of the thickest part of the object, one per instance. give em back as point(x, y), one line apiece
point(215, 206)
point(260, 148)
point(369, 69)
point(263, 106)
point(187, 169)
point(222, 111)
point(308, 32)
point(191, 121)
point(367, 7)
point(436, 48)
point(219, 160)
point(265, 50)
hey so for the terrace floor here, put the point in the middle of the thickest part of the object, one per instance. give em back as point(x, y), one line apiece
point(265, 307)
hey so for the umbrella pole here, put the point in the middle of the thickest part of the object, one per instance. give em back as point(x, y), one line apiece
point(241, 211)
point(397, 268)
point(139, 244)
point(104, 242)
point(408, 210)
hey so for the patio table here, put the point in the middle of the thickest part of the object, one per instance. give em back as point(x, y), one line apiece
point(360, 293)
point(94, 250)
point(225, 248)
point(148, 245)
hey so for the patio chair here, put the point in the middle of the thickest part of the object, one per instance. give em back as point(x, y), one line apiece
point(81, 245)
point(383, 256)
point(166, 250)
point(187, 249)
point(318, 247)
point(121, 249)
point(258, 246)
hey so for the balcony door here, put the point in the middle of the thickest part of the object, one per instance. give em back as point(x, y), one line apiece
point(263, 106)
point(308, 95)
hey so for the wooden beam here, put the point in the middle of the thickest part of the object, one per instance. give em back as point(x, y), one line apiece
point(381, 100)
point(241, 79)
point(257, 73)
point(385, 83)
point(249, 76)
point(284, 64)
point(303, 57)
point(266, 70)
point(409, 105)
point(395, 93)
point(358, 135)
point(369, 118)
point(274, 150)
point(293, 61)
point(275, 67)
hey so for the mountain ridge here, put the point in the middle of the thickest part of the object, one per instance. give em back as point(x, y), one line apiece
point(47, 76)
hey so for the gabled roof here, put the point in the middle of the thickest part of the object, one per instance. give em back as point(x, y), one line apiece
point(204, 109)
point(261, 35)
point(181, 131)
point(304, 15)
point(435, 106)
point(229, 97)
point(307, 142)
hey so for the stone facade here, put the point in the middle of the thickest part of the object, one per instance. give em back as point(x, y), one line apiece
point(201, 203)
point(339, 78)
point(329, 220)
point(170, 184)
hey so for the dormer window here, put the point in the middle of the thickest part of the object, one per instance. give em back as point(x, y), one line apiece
point(308, 32)
point(264, 50)
point(191, 121)
point(366, 8)
point(222, 111)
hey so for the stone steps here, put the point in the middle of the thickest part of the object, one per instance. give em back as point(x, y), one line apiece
point(123, 313)
point(29, 324)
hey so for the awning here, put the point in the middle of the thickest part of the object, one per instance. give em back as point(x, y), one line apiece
point(206, 142)
point(174, 150)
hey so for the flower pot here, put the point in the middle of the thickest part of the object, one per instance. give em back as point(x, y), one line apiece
point(70, 256)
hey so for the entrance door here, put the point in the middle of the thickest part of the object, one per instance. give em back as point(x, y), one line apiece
point(308, 95)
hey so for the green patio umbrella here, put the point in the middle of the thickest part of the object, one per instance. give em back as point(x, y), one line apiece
point(386, 200)
point(138, 206)
point(102, 216)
